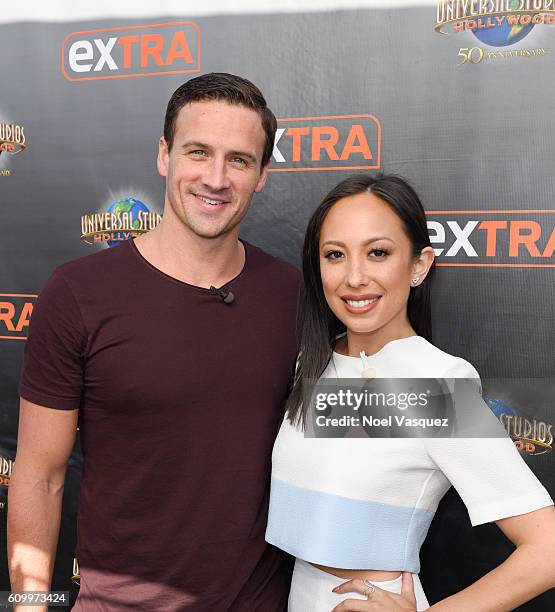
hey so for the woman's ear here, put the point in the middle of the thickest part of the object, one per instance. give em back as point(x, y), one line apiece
point(422, 265)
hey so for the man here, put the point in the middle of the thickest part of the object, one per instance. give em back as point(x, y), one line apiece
point(173, 353)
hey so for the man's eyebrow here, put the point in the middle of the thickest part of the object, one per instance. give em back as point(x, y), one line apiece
point(249, 156)
point(194, 143)
point(201, 145)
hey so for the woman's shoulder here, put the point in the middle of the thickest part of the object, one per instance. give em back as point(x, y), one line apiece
point(441, 362)
point(419, 354)
point(409, 357)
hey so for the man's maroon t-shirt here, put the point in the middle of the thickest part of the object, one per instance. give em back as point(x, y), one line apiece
point(180, 397)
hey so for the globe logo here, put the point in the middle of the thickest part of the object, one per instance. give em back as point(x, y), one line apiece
point(498, 407)
point(132, 207)
point(529, 434)
point(504, 34)
point(125, 218)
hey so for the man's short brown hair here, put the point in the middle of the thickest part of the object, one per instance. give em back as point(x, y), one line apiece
point(229, 88)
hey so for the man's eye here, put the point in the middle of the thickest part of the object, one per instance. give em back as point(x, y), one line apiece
point(199, 152)
point(333, 255)
point(239, 160)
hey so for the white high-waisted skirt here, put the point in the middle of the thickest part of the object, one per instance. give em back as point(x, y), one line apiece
point(311, 589)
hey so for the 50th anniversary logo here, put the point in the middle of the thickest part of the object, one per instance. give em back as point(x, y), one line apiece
point(500, 24)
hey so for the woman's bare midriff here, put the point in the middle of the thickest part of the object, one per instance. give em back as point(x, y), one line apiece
point(350, 574)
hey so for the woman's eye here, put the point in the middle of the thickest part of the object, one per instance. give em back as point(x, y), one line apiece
point(378, 253)
point(332, 255)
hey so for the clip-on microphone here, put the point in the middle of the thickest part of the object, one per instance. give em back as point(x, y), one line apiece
point(226, 296)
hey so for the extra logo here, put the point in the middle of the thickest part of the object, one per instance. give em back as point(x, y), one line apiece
point(147, 50)
point(125, 218)
point(493, 238)
point(530, 435)
point(338, 142)
point(15, 313)
point(6, 466)
point(12, 141)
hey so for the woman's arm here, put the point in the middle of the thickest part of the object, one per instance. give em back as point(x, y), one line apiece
point(529, 570)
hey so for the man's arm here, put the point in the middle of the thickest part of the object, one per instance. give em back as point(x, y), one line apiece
point(45, 441)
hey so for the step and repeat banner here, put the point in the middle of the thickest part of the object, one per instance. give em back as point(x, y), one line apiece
point(457, 97)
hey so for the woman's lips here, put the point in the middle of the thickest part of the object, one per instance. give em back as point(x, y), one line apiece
point(361, 303)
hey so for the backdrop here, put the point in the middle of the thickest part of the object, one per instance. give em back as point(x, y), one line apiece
point(455, 96)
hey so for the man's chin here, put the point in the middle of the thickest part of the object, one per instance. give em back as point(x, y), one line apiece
point(210, 233)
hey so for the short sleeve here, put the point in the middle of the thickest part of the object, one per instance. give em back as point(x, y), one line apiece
point(52, 374)
point(489, 474)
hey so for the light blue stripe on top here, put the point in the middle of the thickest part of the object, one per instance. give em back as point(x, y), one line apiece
point(347, 533)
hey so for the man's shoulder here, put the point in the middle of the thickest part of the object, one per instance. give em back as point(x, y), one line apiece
point(260, 260)
point(93, 267)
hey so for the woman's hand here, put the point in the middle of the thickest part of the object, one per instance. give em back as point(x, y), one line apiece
point(378, 599)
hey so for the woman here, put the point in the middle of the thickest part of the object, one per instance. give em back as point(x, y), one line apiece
point(355, 509)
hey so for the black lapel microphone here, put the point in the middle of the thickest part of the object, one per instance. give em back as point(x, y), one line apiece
point(226, 296)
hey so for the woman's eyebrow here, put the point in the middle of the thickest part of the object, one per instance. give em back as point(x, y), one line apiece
point(369, 241)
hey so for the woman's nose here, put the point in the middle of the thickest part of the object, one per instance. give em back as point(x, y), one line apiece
point(357, 275)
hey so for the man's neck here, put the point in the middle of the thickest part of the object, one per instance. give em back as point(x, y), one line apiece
point(183, 255)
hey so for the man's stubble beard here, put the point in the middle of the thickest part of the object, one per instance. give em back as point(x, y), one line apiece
point(200, 229)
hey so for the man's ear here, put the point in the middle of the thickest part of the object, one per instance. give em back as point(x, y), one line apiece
point(262, 179)
point(163, 159)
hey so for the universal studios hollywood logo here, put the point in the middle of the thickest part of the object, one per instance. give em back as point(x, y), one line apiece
point(530, 435)
point(494, 22)
point(12, 141)
point(6, 466)
point(125, 218)
point(12, 138)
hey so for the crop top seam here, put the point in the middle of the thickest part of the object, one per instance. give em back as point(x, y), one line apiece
point(416, 507)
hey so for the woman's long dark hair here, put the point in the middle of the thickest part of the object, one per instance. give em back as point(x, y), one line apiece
point(317, 323)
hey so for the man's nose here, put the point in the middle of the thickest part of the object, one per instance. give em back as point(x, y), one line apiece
point(215, 175)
